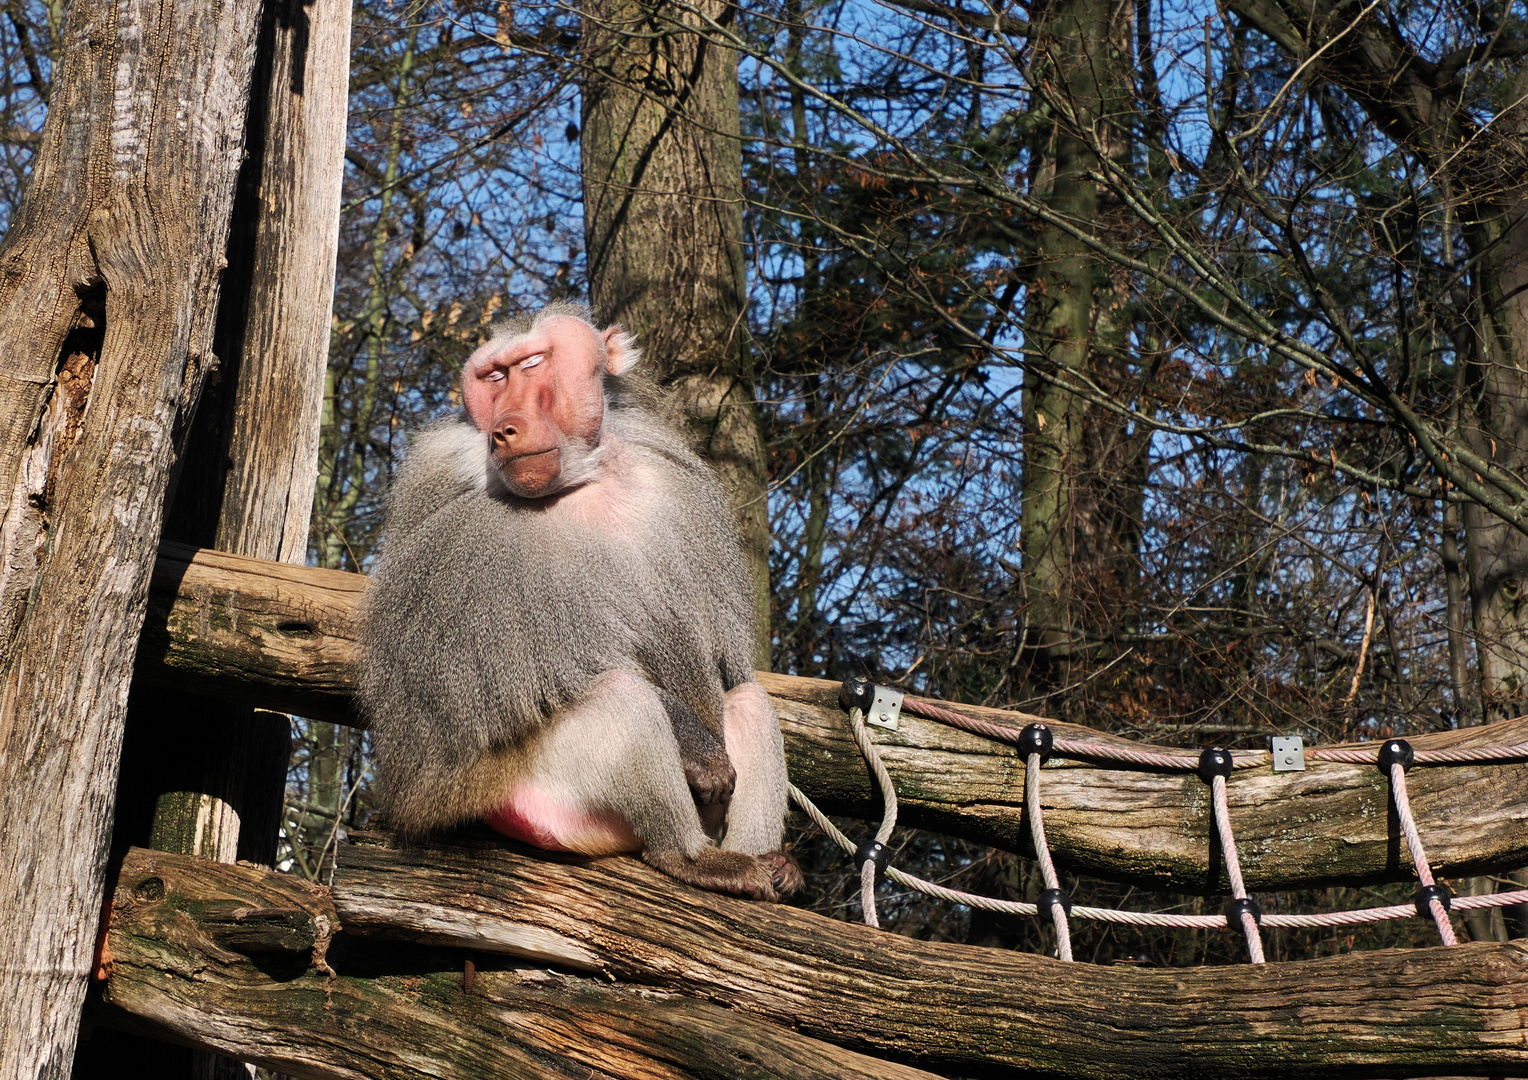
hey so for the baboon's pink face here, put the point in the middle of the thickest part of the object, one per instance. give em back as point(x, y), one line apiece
point(540, 399)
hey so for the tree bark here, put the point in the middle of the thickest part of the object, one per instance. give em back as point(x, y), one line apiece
point(284, 636)
point(663, 218)
point(1083, 470)
point(1498, 411)
point(246, 962)
point(247, 474)
point(202, 776)
point(109, 280)
point(944, 1006)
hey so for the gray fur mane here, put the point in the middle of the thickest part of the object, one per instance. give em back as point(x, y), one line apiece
point(488, 613)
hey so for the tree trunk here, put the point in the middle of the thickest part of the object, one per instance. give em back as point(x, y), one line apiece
point(1479, 168)
point(663, 219)
point(244, 962)
point(262, 631)
point(1498, 554)
point(790, 982)
point(109, 282)
point(950, 1007)
point(254, 963)
point(1082, 469)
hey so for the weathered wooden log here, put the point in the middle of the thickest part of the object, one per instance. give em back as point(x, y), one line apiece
point(233, 627)
point(249, 464)
point(109, 282)
point(284, 636)
point(1331, 824)
point(247, 963)
point(951, 1007)
point(203, 776)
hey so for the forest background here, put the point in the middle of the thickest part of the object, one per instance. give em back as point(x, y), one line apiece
point(1157, 366)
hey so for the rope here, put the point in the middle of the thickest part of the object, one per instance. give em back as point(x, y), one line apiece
point(1418, 855)
point(873, 855)
point(883, 780)
point(1459, 755)
point(1233, 866)
point(1145, 918)
point(1042, 852)
point(1072, 747)
point(1246, 759)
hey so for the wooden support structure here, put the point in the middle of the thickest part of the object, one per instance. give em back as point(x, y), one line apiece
point(249, 963)
point(110, 276)
point(471, 957)
point(261, 966)
point(284, 637)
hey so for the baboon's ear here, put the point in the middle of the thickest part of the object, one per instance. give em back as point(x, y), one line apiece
point(621, 351)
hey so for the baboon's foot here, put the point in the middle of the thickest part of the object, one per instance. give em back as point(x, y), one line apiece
point(784, 874)
point(711, 779)
point(729, 872)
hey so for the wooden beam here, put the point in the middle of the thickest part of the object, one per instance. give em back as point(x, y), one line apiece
point(247, 963)
point(284, 637)
point(248, 466)
point(274, 634)
point(956, 1008)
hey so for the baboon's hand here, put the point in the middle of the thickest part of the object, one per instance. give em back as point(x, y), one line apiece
point(711, 779)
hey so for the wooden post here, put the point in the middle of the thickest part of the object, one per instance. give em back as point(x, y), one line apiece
point(247, 476)
point(109, 282)
point(202, 776)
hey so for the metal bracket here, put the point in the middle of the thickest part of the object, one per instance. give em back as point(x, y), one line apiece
point(1288, 753)
point(886, 709)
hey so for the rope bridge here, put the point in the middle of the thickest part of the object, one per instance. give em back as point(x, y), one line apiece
point(1393, 758)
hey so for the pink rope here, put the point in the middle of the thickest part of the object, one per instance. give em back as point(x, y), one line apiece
point(888, 815)
point(1459, 755)
point(1042, 852)
point(1070, 747)
point(1248, 759)
point(1150, 758)
point(1149, 918)
point(1220, 804)
point(867, 894)
point(1233, 865)
point(1359, 756)
point(1393, 911)
point(1418, 855)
